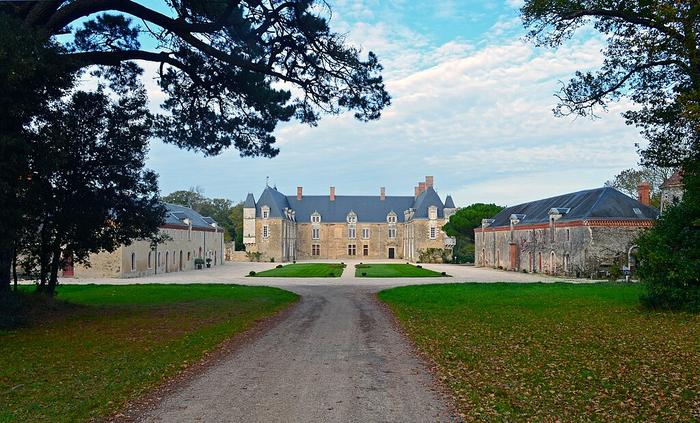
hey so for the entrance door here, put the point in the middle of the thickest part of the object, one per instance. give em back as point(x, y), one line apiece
point(391, 252)
point(68, 271)
point(167, 260)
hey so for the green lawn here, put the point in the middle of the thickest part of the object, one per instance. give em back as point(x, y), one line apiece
point(304, 270)
point(555, 352)
point(393, 270)
point(109, 344)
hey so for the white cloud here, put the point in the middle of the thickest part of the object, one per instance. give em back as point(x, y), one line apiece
point(477, 117)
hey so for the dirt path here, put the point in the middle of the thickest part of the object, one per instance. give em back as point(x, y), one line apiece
point(336, 357)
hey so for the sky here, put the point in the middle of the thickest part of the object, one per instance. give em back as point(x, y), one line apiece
point(471, 105)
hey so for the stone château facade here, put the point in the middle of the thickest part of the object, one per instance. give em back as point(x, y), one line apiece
point(578, 234)
point(299, 227)
point(191, 236)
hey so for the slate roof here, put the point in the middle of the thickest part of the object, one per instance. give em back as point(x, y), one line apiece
point(368, 208)
point(598, 203)
point(175, 214)
point(249, 201)
point(449, 203)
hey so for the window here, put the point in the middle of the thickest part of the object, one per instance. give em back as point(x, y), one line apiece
point(316, 218)
point(315, 250)
point(352, 250)
point(265, 212)
point(315, 233)
point(433, 232)
point(391, 217)
point(266, 231)
point(568, 234)
point(150, 259)
point(392, 233)
point(365, 250)
point(365, 233)
point(189, 256)
point(174, 261)
point(159, 261)
point(352, 217)
point(432, 213)
point(133, 261)
point(351, 232)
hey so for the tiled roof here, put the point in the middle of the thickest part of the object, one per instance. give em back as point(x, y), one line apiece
point(599, 203)
point(368, 208)
point(675, 180)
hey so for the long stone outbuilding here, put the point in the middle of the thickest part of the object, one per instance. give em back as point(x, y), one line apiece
point(191, 236)
point(582, 234)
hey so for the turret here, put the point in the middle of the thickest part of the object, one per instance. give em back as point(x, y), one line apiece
point(450, 208)
point(249, 220)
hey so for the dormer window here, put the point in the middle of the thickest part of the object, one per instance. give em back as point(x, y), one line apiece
point(265, 212)
point(316, 217)
point(352, 217)
point(391, 217)
point(432, 212)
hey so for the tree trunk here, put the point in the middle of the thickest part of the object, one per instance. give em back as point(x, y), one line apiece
point(55, 264)
point(14, 266)
point(5, 265)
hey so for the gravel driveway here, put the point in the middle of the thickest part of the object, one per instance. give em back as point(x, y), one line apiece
point(335, 358)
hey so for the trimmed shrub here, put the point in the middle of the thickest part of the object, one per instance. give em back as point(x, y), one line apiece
point(364, 273)
point(251, 273)
point(279, 266)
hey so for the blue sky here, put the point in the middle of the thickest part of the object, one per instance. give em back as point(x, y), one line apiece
point(471, 105)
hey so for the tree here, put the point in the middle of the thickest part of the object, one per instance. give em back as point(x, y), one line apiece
point(230, 71)
point(227, 68)
point(628, 181)
point(652, 58)
point(88, 184)
point(31, 77)
point(669, 255)
point(462, 223)
point(461, 226)
point(236, 217)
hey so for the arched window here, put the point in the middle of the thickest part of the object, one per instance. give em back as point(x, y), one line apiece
point(150, 259)
point(160, 262)
point(133, 261)
point(552, 263)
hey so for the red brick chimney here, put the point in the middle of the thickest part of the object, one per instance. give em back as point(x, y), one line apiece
point(644, 193)
point(332, 195)
point(428, 181)
point(382, 193)
point(421, 187)
point(299, 190)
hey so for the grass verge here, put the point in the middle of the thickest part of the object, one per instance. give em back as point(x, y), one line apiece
point(98, 347)
point(304, 270)
point(394, 270)
point(555, 352)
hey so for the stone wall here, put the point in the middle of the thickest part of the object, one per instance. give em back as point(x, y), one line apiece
point(574, 250)
point(138, 260)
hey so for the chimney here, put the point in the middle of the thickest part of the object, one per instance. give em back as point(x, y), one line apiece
point(644, 193)
point(382, 193)
point(332, 195)
point(416, 191)
point(299, 191)
point(428, 181)
point(421, 187)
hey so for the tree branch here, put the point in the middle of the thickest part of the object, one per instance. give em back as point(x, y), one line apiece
point(627, 17)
